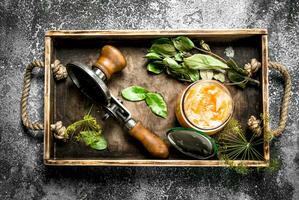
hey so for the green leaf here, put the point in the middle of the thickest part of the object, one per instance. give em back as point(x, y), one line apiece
point(162, 40)
point(158, 62)
point(179, 74)
point(219, 76)
point(171, 63)
point(184, 73)
point(155, 68)
point(183, 43)
point(134, 93)
point(153, 56)
point(163, 46)
point(206, 74)
point(202, 61)
point(93, 139)
point(193, 75)
point(100, 144)
point(157, 104)
point(178, 57)
point(88, 121)
point(88, 137)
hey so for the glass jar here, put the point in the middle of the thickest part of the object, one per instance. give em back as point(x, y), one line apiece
point(205, 105)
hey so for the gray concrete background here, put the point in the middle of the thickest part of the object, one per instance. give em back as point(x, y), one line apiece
point(22, 27)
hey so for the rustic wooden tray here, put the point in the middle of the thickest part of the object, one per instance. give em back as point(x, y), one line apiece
point(63, 101)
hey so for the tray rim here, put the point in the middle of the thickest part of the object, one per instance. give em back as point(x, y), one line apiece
point(152, 32)
point(51, 34)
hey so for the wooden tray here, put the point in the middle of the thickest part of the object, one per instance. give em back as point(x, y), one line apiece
point(63, 101)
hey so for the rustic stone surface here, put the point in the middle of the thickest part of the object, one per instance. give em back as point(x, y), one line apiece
point(22, 27)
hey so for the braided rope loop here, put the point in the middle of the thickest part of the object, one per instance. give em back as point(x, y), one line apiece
point(286, 97)
point(25, 94)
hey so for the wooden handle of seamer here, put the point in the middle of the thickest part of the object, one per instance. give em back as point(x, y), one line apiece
point(110, 61)
point(153, 143)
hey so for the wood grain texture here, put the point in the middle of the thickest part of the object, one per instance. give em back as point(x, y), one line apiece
point(70, 105)
point(48, 143)
point(151, 33)
point(154, 163)
point(265, 92)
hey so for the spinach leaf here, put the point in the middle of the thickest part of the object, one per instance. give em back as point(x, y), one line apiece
point(155, 68)
point(202, 61)
point(134, 93)
point(183, 43)
point(157, 104)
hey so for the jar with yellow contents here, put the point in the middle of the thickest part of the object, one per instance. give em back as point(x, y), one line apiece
point(205, 105)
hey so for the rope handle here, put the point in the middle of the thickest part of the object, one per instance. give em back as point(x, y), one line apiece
point(286, 97)
point(59, 72)
point(25, 94)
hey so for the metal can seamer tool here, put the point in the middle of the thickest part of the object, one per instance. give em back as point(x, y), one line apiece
point(92, 82)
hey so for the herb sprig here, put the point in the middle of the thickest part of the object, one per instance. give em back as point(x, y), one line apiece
point(173, 56)
point(234, 144)
point(88, 131)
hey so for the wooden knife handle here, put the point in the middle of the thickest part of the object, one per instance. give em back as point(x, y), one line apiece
point(110, 61)
point(153, 143)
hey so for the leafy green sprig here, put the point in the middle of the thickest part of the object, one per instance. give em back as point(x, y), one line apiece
point(173, 56)
point(234, 144)
point(88, 131)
